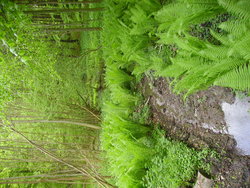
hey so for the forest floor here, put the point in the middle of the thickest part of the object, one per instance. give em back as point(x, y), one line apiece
point(199, 122)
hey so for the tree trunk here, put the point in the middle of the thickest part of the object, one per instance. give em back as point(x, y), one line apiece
point(58, 25)
point(58, 3)
point(57, 121)
point(48, 11)
point(46, 20)
point(69, 30)
point(81, 170)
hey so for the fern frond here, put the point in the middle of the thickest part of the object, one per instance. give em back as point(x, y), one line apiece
point(172, 71)
point(169, 13)
point(190, 61)
point(122, 96)
point(193, 81)
point(240, 8)
point(149, 6)
point(242, 47)
point(143, 23)
point(200, 2)
point(236, 28)
point(115, 76)
point(214, 52)
point(220, 37)
point(237, 78)
point(223, 66)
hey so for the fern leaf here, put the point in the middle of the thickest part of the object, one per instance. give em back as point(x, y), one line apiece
point(238, 79)
point(236, 28)
point(223, 66)
point(220, 37)
point(242, 47)
point(174, 70)
point(239, 8)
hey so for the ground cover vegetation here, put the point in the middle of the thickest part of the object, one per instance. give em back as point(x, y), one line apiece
point(73, 59)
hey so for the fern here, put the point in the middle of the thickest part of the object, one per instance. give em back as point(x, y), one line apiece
point(242, 47)
point(236, 27)
point(238, 78)
point(240, 8)
point(220, 37)
point(199, 63)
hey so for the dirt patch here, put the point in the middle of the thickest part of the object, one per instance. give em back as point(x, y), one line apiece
point(199, 122)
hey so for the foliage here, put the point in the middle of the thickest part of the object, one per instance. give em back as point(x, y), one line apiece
point(30, 58)
point(128, 53)
point(197, 43)
point(8, 36)
point(122, 139)
point(142, 113)
point(174, 164)
point(40, 81)
point(200, 63)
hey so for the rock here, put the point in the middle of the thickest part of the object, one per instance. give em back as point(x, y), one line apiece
point(203, 182)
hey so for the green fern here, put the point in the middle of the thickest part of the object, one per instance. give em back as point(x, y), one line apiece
point(199, 63)
point(240, 8)
point(238, 79)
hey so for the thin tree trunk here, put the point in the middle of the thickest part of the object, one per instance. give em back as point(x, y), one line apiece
point(19, 149)
point(67, 30)
point(51, 134)
point(101, 182)
point(43, 176)
point(18, 160)
point(42, 181)
point(58, 3)
point(58, 121)
point(59, 25)
point(66, 41)
point(92, 50)
point(49, 11)
point(16, 141)
point(45, 20)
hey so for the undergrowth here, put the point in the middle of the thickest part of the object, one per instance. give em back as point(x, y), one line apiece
point(197, 44)
point(42, 94)
point(174, 164)
point(130, 147)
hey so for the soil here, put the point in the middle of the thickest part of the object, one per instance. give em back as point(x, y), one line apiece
point(199, 122)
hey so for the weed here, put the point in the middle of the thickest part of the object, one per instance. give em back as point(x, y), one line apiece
point(142, 113)
point(202, 99)
point(174, 164)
